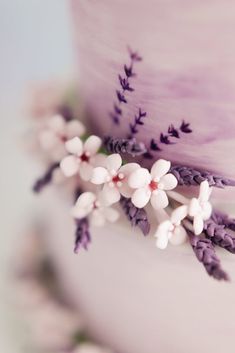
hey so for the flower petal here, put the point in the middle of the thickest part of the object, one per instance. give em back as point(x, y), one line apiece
point(194, 207)
point(69, 166)
point(162, 241)
point(198, 224)
point(179, 214)
point(86, 199)
point(126, 190)
point(83, 205)
point(179, 236)
point(205, 191)
point(159, 199)
point(74, 146)
point(111, 214)
point(92, 144)
point(98, 218)
point(128, 168)
point(160, 168)
point(57, 124)
point(168, 182)
point(99, 175)
point(114, 162)
point(74, 128)
point(141, 197)
point(206, 210)
point(85, 171)
point(110, 195)
point(139, 178)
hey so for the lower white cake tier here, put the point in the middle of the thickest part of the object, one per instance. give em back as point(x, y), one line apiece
point(136, 298)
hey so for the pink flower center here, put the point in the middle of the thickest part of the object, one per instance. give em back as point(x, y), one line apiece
point(63, 138)
point(116, 179)
point(153, 185)
point(84, 157)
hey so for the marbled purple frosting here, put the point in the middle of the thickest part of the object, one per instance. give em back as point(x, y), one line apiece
point(187, 72)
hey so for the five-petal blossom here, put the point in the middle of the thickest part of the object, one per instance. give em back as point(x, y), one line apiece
point(83, 157)
point(56, 132)
point(114, 177)
point(92, 205)
point(152, 185)
point(171, 229)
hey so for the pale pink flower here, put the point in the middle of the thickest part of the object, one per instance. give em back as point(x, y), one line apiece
point(56, 132)
point(152, 186)
point(92, 205)
point(83, 157)
point(114, 177)
point(171, 229)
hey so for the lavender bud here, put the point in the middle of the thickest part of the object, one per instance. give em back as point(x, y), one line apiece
point(173, 131)
point(219, 236)
point(184, 127)
point(205, 253)
point(129, 146)
point(189, 176)
point(137, 216)
point(82, 235)
point(121, 97)
point(46, 178)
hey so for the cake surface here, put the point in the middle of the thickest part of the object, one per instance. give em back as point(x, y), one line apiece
point(136, 298)
point(187, 72)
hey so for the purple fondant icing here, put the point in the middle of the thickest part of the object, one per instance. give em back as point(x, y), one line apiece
point(187, 73)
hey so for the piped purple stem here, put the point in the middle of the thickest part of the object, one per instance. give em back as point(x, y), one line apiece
point(125, 86)
point(46, 178)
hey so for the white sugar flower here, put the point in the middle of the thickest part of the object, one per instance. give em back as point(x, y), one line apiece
point(171, 229)
point(83, 157)
point(114, 176)
point(200, 208)
point(152, 185)
point(56, 132)
point(92, 205)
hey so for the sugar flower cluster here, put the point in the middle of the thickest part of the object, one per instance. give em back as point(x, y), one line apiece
point(105, 183)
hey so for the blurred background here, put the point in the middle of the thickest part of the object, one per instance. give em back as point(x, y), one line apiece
point(36, 45)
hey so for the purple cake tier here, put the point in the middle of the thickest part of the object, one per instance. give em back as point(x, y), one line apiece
point(187, 72)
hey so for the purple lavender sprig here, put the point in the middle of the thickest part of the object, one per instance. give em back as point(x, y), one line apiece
point(125, 86)
point(205, 253)
point(166, 138)
point(137, 216)
point(46, 178)
point(138, 121)
point(219, 236)
point(82, 235)
point(221, 218)
point(116, 145)
point(189, 176)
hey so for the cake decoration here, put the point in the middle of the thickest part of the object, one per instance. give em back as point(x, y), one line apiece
point(109, 175)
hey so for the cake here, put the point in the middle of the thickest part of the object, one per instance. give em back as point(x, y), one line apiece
point(134, 297)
